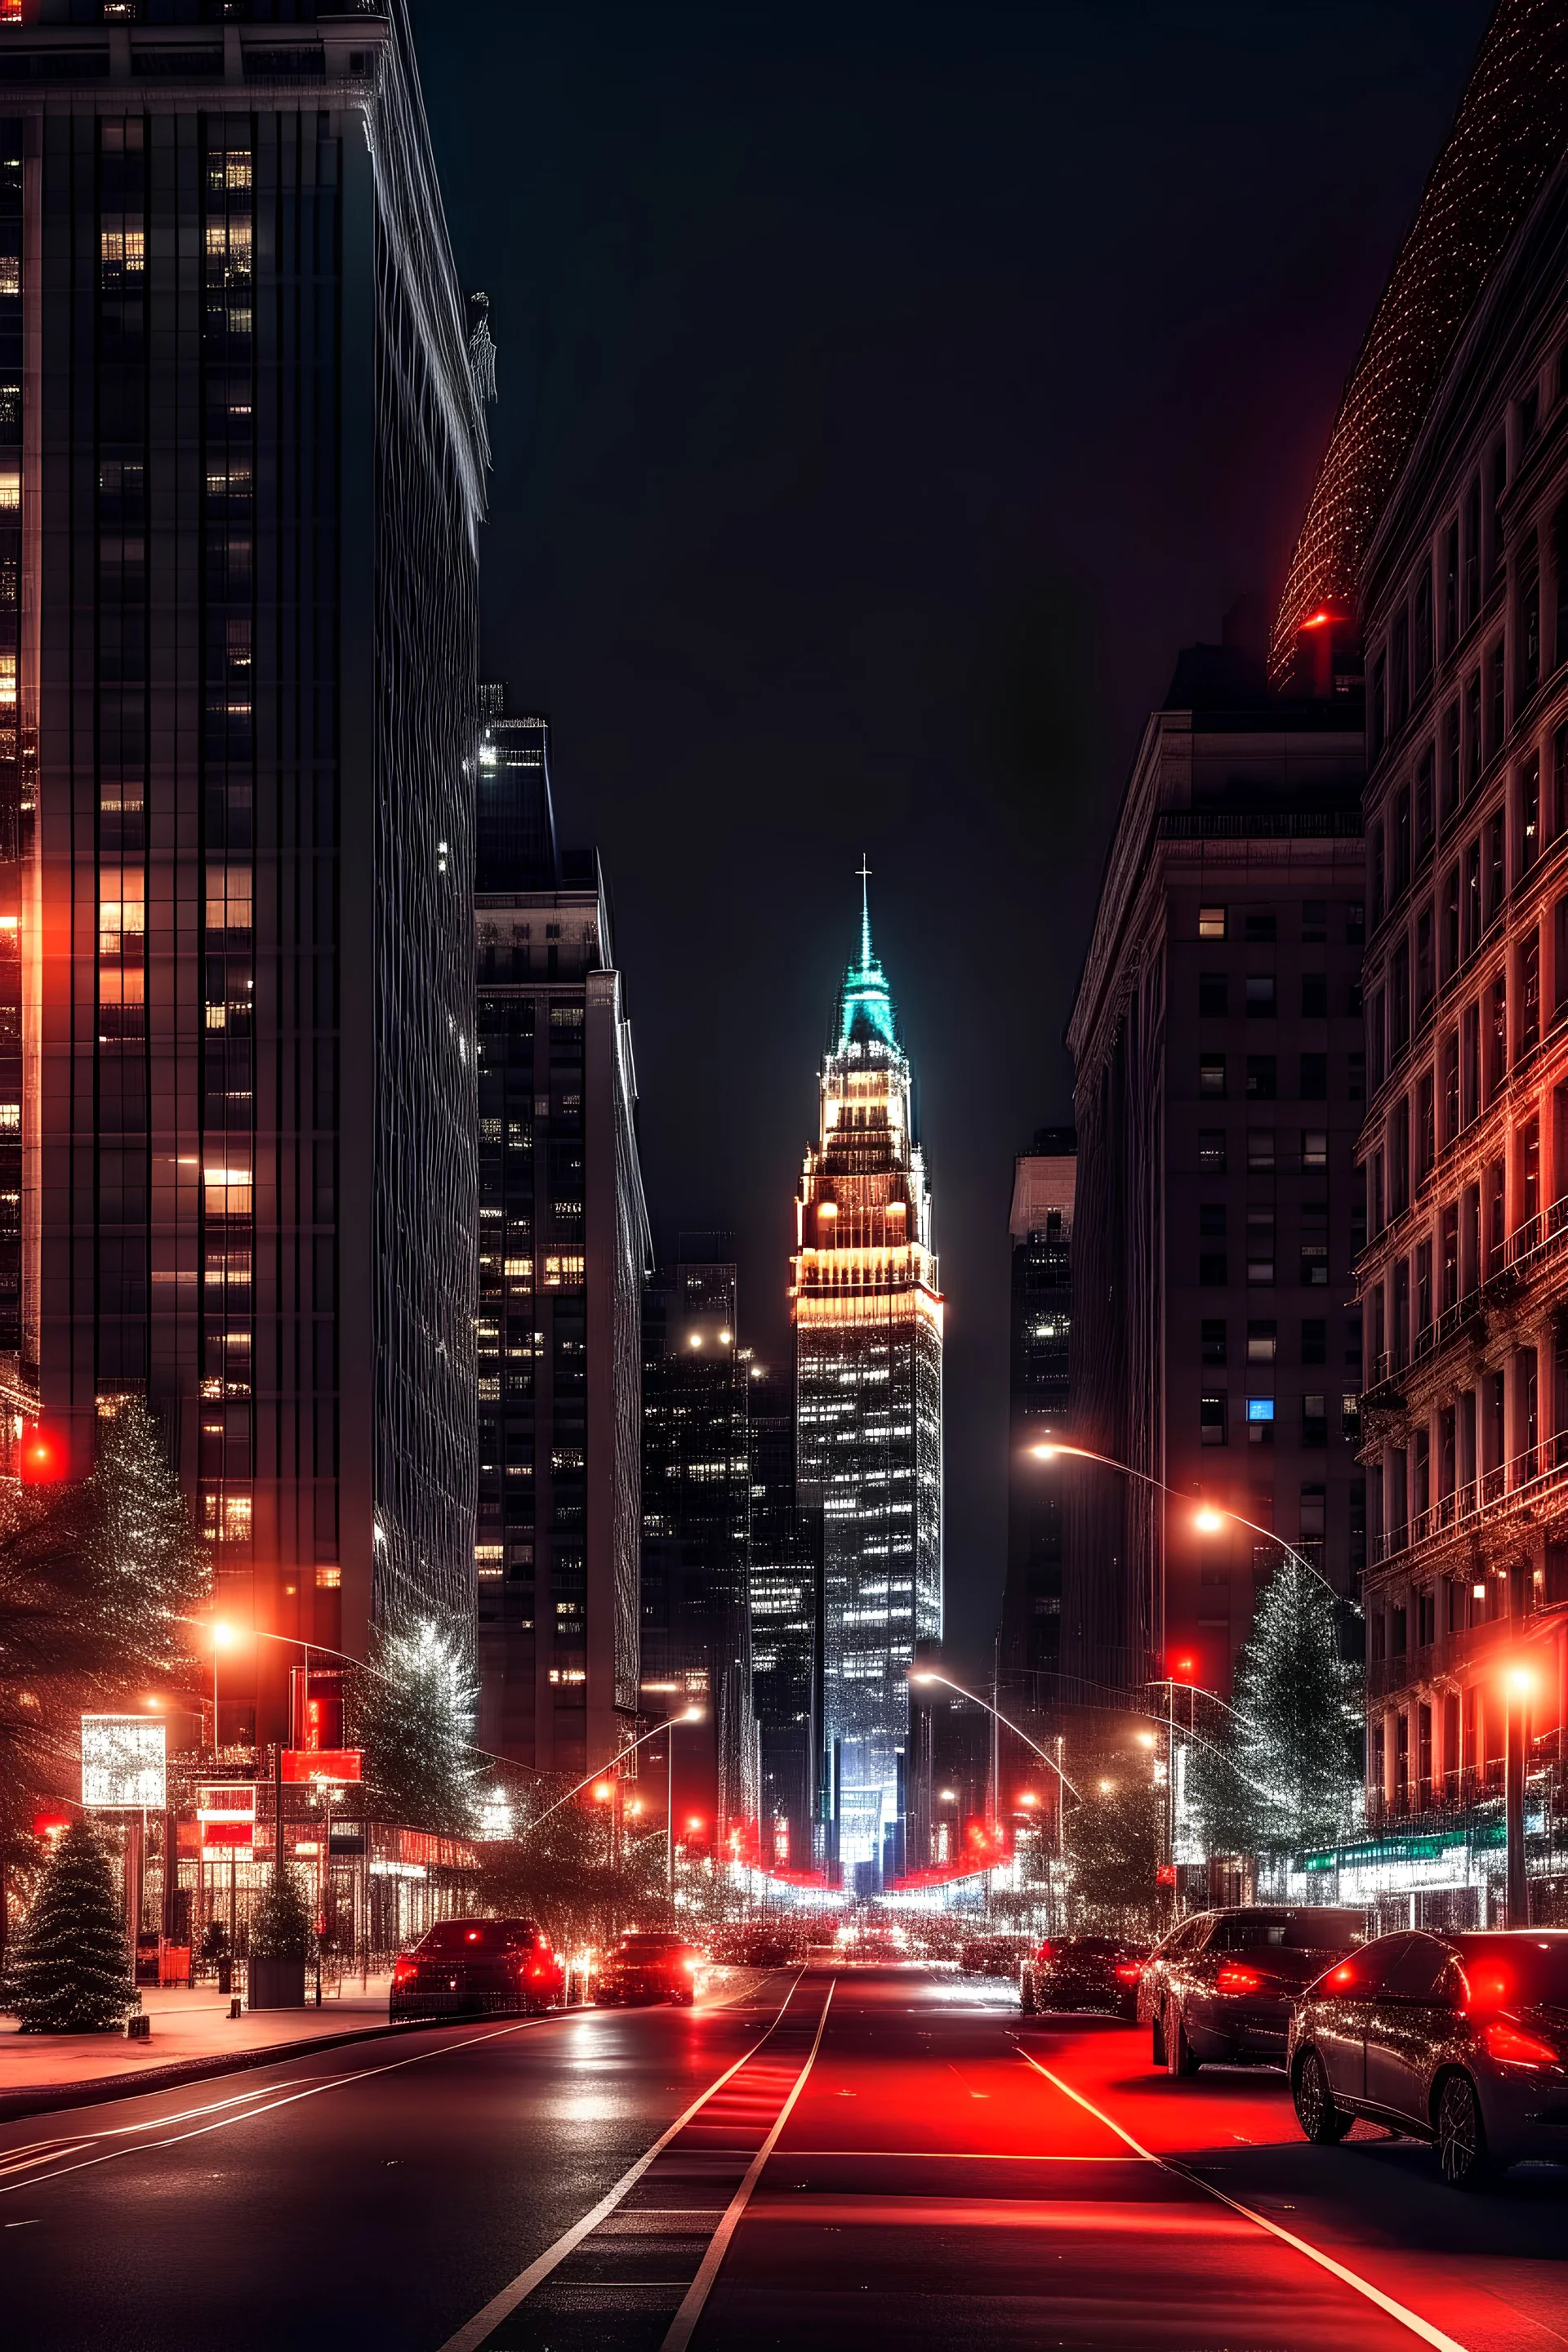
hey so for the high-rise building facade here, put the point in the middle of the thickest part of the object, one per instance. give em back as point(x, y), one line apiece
point(1219, 1080)
point(1040, 1226)
point(696, 1509)
point(867, 1318)
point(563, 1250)
point(243, 431)
point(783, 1560)
point(1464, 600)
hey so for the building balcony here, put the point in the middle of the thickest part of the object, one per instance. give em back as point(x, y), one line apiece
point(1533, 1481)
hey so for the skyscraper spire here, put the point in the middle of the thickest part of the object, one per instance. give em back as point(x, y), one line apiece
point(865, 995)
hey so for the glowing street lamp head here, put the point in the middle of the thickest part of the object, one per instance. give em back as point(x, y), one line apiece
point(1209, 1521)
point(223, 1636)
point(1521, 1680)
point(1045, 1453)
point(1145, 1740)
point(603, 1791)
point(920, 1675)
point(692, 1715)
point(1028, 1798)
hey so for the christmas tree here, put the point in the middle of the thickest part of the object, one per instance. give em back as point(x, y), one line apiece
point(71, 1971)
point(281, 1926)
point(1289, 1774)
point(413, 1715)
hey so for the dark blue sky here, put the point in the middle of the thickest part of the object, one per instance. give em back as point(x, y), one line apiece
point(885, 396)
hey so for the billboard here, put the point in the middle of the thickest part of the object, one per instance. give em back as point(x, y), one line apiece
point(123, 1762)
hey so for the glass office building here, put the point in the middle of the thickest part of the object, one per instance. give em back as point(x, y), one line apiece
point(242, 470)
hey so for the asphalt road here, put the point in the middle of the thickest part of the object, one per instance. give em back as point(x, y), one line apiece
point(850, 2158)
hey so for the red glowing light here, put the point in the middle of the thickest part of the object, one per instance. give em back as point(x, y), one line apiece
point(43, 1460)
point(50, 1825)
point(1129, 1971)
point(1488, 1988)
point(1519, 2049)
point(405, 1972)
point(1183, 1670)
point(1233, 1978)
point(1320, 619)
point(1344, 1977)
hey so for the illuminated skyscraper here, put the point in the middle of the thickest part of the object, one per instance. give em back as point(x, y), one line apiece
point(868, 1334)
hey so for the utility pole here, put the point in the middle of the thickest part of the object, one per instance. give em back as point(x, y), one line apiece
point(1516, 1755)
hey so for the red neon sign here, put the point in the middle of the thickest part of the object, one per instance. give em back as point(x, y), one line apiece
point(323, 1764)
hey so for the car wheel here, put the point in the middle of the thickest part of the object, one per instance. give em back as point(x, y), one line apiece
point(1179, 2059)
point(1157, 2040)
point(1461, 2134)
point(1323, 2123)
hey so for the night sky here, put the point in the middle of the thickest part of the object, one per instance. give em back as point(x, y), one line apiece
point(885, 396)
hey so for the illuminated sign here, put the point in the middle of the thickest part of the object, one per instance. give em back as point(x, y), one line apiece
point(323, 1764)
point(123, 1762)
point(226, 1812)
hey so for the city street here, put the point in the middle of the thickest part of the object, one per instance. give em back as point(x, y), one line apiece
point(867, 2156)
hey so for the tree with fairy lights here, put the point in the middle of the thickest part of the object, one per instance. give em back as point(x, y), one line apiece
point(1284, 1771)
point(413, 1715)
point(70, 1972)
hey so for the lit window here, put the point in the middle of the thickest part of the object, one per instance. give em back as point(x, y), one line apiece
point(1211, 922)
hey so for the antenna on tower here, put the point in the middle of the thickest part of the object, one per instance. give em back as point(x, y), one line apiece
point(864, 873)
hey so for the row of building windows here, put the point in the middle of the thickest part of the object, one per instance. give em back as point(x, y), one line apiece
point(1261, 1414)
point(1259, 924)
point(1260, 996)
point(1261, 1076)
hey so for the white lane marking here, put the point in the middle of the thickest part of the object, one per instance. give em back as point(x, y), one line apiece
point(499, 2307)
point(1352, 2279)
point(315, 2090)
point(697, 2294)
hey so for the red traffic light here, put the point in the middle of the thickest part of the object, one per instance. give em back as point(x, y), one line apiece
point(43, 1456)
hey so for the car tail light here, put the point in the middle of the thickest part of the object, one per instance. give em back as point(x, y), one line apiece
point(1043, 1954)
point(405, 1972)
point(1233, 1978)
point(1129, 1970)
point(1519, 2048)
point(691, 1968)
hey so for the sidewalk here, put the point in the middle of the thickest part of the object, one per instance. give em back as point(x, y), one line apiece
point(191, 2032)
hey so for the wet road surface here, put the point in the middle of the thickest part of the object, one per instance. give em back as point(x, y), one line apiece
point(848, 2157)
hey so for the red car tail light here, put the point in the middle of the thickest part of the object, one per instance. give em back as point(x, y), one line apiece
point(1233, 1978)
point(1129, 1970)
point(405, 1972)
point(1044, 1953)
point(1519, 2048)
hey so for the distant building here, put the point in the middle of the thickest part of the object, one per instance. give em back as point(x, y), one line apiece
point(784, 1583)
point(1040, 1227)
point(563, 1249)
point(867, 1320)
point(242, 474)
point(1219, 1084)
point(696, 1498)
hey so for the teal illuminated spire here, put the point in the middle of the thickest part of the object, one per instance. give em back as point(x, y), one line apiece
point(865, 1001)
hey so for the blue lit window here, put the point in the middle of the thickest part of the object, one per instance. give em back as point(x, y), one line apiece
point(1259, 1408)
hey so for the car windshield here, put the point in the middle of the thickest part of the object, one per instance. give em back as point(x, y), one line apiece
point(1522, 1967)
point(455, 1936)
point(1290, 1931)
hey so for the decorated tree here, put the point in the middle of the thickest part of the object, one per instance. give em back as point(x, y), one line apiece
point(70, 1972)
point(559, 1868)
point(413, 1714)
point(282, 1925)
point(1112, 1834)
point(1285, 1772)
point(96, 1577)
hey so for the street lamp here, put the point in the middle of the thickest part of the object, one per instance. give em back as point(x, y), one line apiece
point(1208, 1520)
point(930, 1674)
point(1519, 1681)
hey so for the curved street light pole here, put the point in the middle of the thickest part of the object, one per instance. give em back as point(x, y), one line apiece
point(1207, 1515)
point(930, 1674)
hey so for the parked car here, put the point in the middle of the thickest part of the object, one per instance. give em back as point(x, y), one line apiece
point(992, 1956)
point(477, 1968)
point(1221, 1985)
point(1457, 2038)
point(648, 1968)
point(1082, 1972)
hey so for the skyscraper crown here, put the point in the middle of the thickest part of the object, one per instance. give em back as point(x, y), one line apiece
point(865, 998)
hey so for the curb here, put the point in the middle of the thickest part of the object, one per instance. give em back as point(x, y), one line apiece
point(47, 2099)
